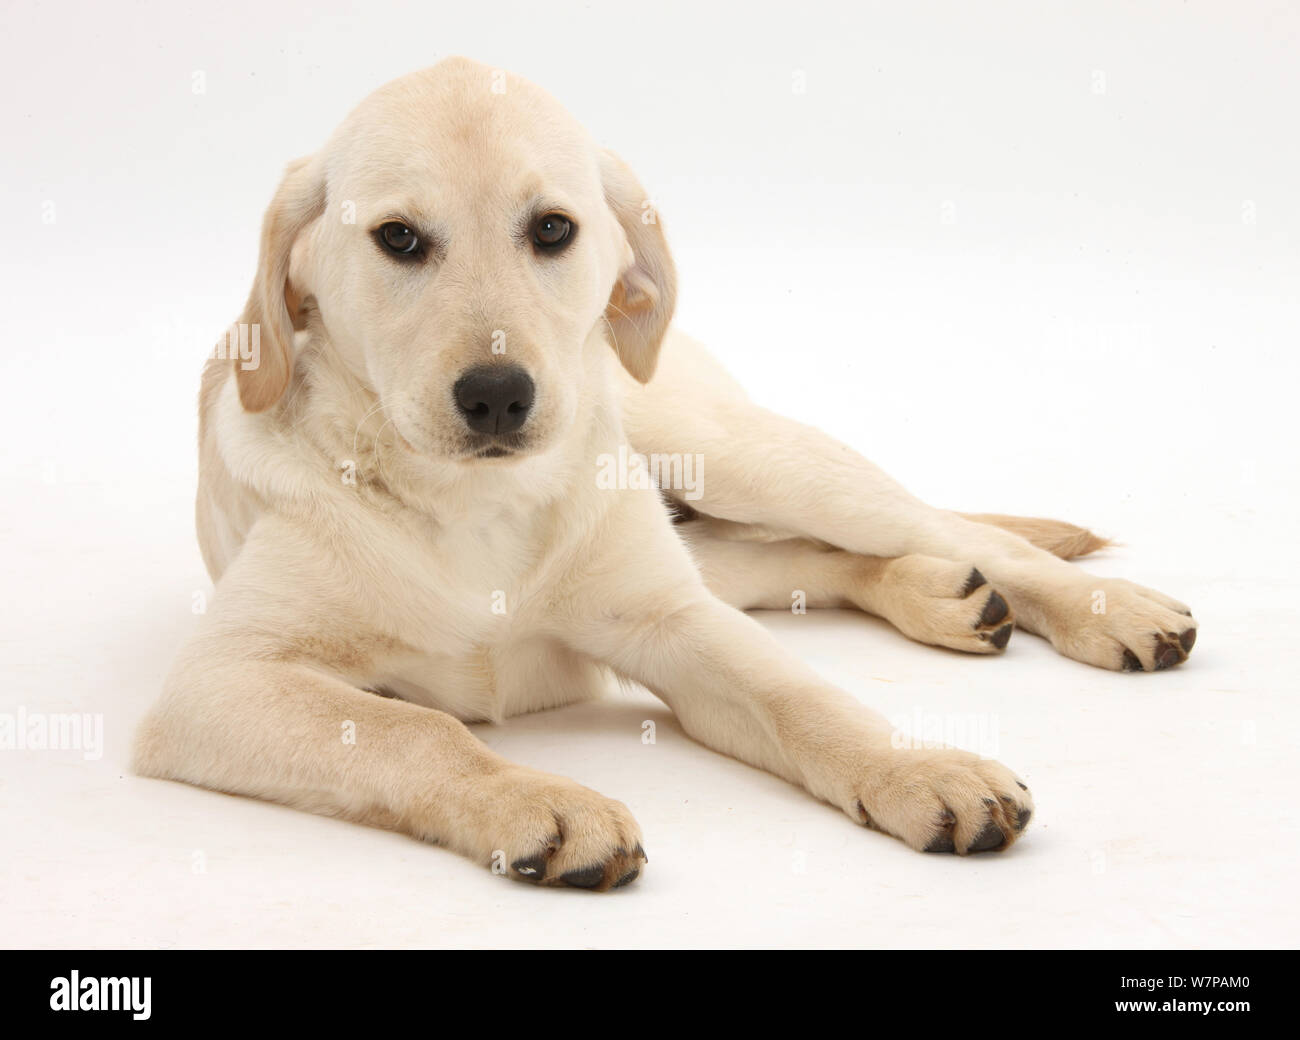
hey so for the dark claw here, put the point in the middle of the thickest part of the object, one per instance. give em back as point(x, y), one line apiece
point(975, 581)
point(1002, 637)
point(1022, 787)
point(989, 838)
point(995, 611)
point(639, 851)
point(587, 877)
point(942, 842)
point(1021, 816)
point(1131, 662)
point(1167, 658)
point(531, 868)
point(627, 878)
point(1188, 640)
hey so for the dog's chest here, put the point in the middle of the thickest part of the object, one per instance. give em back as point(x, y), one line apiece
point(479, 560)
point(478, 648)
point(493, 682)
point(475, 562)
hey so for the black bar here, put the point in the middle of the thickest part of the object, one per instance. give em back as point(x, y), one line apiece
point(341, 988)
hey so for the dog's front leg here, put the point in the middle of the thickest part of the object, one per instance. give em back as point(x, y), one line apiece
point(734, 689)
point(287, 731)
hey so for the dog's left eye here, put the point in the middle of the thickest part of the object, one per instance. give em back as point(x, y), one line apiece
point(552, 232)
point(398, 239)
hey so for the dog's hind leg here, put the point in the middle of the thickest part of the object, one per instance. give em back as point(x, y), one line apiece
point(762, 468)
point(928, 599)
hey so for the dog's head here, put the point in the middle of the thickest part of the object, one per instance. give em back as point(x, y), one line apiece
point(461, 240)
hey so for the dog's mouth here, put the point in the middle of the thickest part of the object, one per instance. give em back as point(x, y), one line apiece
point(495, 447)
point(474, 448)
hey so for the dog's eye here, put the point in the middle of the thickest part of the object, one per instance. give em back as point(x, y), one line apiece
point(399, 239)
point(552, 232)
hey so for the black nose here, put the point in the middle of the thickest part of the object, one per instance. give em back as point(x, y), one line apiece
point(494, 399)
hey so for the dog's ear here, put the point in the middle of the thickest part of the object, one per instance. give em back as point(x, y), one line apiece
point(273, 303)
point(641, 305)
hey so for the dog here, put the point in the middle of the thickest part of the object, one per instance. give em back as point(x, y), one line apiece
point(407, 503)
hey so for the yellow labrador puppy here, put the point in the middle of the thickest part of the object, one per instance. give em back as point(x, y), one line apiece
point(429, 458)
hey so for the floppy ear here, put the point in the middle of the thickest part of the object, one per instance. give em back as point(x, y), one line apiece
point(273, 303)
point(642, 302)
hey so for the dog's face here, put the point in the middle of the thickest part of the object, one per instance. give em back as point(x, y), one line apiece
point(462, 240)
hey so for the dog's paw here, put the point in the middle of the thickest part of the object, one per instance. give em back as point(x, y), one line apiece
point(943, 603)
point(1116, 624)
point(551, 831)
point(943, 800)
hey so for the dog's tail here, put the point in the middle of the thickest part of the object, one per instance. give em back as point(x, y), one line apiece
point(1056, 536)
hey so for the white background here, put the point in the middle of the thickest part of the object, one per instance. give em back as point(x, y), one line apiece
point(1036, 258)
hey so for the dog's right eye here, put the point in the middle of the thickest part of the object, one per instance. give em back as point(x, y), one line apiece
point(398, 239)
